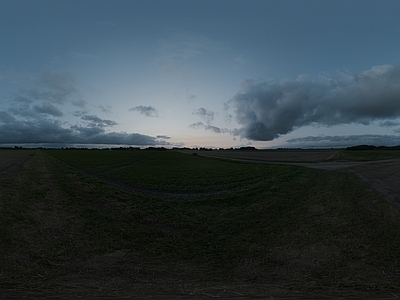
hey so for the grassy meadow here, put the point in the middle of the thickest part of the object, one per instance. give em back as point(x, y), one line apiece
point(131, 223)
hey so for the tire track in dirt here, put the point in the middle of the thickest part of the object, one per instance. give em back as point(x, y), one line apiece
point(382, 175)
point(167, 195)
point(56, 219)
point(43, 225)
point(12, 161)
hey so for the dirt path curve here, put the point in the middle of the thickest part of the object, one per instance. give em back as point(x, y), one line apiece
point(381, 175)
point(165, 194)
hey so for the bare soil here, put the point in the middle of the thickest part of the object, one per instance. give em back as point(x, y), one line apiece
point(11, 161)
point(381, 175)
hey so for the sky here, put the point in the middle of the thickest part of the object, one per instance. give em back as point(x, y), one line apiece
point(200, 73)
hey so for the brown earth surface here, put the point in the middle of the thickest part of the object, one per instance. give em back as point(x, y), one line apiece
point(11, 161)
point(381, 175)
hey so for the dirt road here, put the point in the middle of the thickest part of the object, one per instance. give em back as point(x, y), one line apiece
point(381, 175)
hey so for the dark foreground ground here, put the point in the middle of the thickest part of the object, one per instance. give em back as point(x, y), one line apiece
point(380, 169)
point(91, 224)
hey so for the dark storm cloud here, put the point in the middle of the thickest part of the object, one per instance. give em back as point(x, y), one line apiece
point(33, 131)
point(164, 137)
point(48, 108)
point(148, 111)
point(389, 124)
point(266, 110)
point(5, 117)
point(23, 110)
point(95, 126)
point(52, 131)
point(88, 131)
point(344, 141)
point(128, 139)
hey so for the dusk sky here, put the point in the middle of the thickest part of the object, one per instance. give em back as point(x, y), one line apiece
point(200, 73)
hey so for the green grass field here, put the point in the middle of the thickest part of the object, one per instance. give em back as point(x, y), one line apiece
point(129, 223)
point(365, 155)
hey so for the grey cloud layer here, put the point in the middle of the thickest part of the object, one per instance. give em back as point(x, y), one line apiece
point(201, 125)
point(35, 115)
point(48, 108)
point(94, 126)
point(344, 141)
point(53, 87)
point(389, 124)
point(164, 137)
point(52, 131)
point(50, 90)
point(96, 121)
point(266, 110)
point(148, 111)
point(207, 115)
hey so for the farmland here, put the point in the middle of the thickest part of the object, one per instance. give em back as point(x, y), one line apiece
point(299, 155)
point(131, 223)
point(11, 160)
